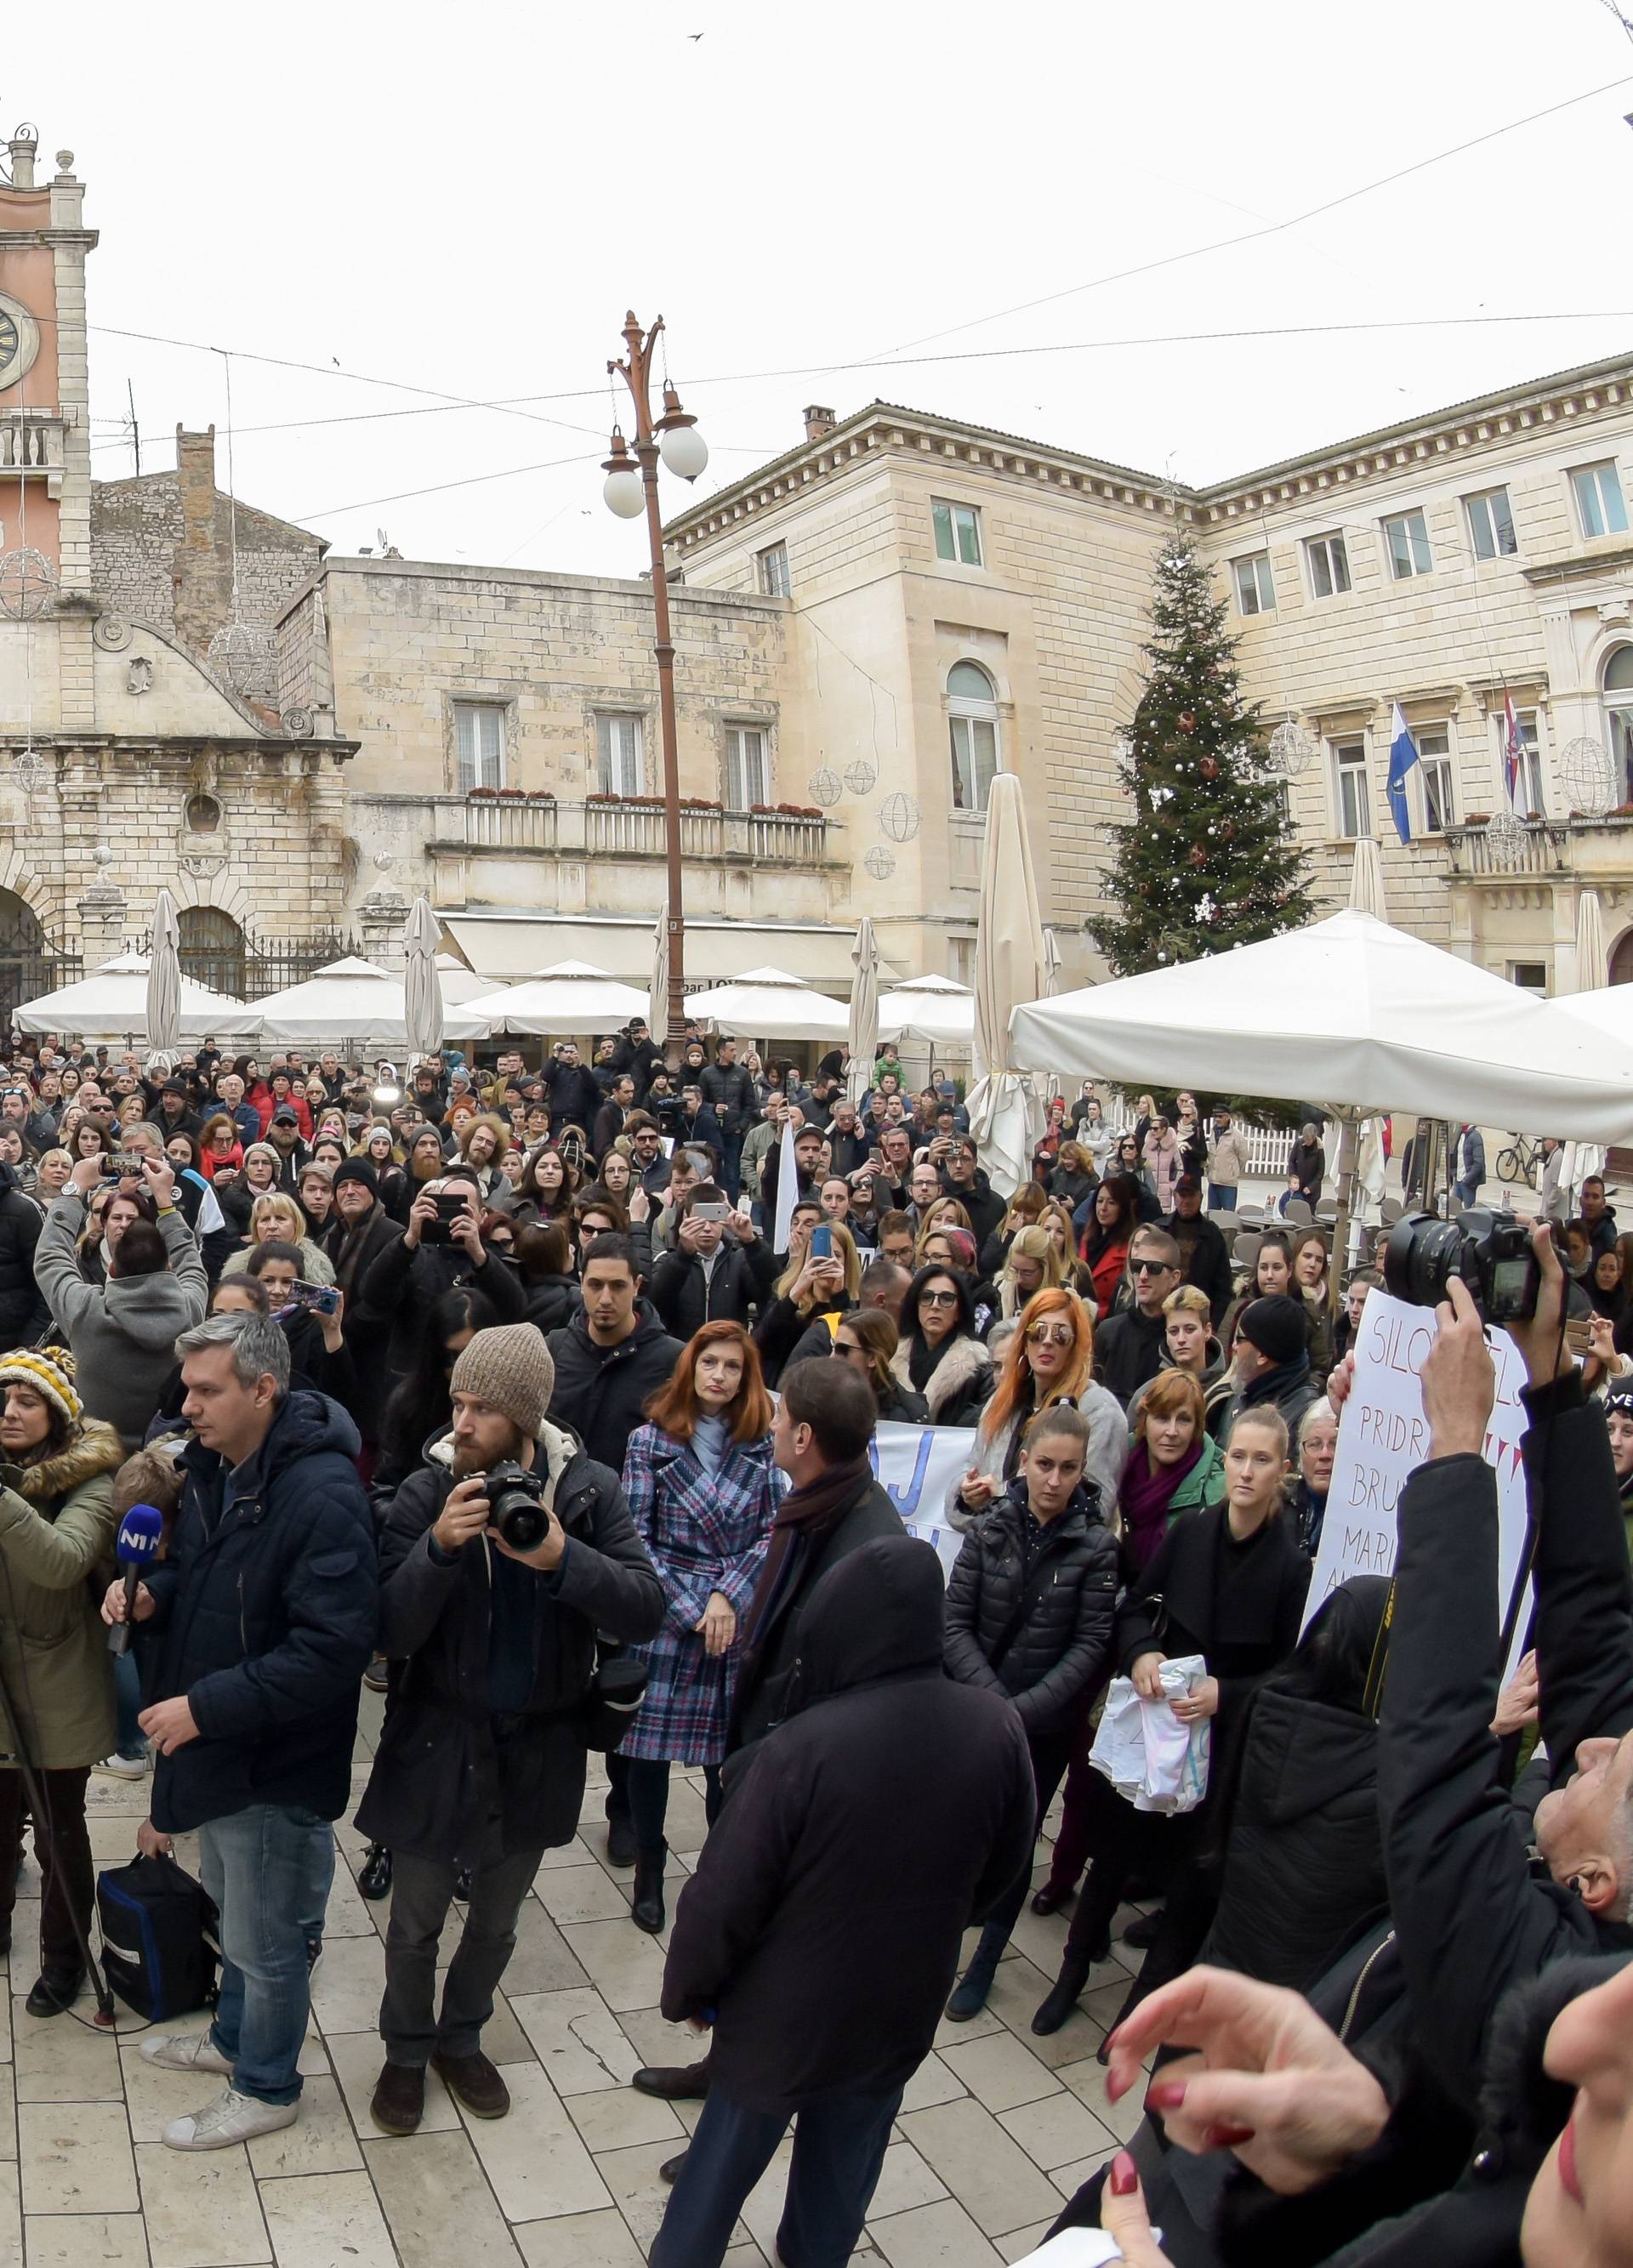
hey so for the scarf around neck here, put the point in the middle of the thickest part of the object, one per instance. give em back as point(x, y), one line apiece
point(1145, 1495)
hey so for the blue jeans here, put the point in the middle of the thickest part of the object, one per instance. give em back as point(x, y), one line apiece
point(839, 2147)
point(1466, 1192)
point(1222, 1197)
point(128, 1741)
point(261, 1866)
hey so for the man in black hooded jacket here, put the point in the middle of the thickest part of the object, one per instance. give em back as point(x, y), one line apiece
point(24, 1314)
point(820, 1932)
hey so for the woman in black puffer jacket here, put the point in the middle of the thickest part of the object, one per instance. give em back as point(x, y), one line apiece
point(1032, 1613)
point(1303, 1856)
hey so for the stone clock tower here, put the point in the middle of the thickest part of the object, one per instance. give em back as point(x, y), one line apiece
point(45, 435)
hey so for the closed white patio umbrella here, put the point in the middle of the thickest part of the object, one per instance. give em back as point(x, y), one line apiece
point(658, 1018)
point(863, 1039)
point(352, 1001)
point(164, 980)
point(422, 993)
point(768, 1004)
point(1366, 880)
point(570, 1000)
point(111, 1004)
point(1011, 968)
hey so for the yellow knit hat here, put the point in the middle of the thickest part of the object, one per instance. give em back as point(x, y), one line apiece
point(49, 1371)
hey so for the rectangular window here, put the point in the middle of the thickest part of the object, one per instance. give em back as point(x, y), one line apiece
point(774, 570)
point(1355, 802)
point(747, 776)
point(1255, 585)
point(974, 761)
point(1529, 975)
point(1407, 535)
point(1491, 525)
point(619, 770)
point(1528, 799)
point(1329, 566)
point(958, 533)
point(1434, 749)
point(479, 734)
point(1599, 501)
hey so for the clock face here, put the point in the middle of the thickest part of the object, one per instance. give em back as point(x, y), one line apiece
point(10, 342)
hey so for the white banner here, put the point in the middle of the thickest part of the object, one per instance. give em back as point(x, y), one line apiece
point(1383, 1437)
point(917, 1465)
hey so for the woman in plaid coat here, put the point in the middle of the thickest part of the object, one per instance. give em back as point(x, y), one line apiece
point(703, 1491)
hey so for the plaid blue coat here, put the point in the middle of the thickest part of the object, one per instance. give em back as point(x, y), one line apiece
point(705, 1533)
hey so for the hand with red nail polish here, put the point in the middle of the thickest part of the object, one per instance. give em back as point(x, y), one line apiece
point(1269, 2080)
point(1123, 2216)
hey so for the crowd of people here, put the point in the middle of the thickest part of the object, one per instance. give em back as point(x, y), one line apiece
point(539, 1402)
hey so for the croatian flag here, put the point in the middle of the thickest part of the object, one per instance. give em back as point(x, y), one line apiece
point(1511, 746)
point(1402, 756)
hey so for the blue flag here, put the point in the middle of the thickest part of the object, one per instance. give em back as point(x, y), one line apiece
point(1402, 756)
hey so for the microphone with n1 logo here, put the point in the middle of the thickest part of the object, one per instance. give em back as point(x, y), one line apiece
point(140, 1533)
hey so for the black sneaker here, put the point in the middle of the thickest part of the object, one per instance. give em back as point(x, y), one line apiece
point(315, 1953)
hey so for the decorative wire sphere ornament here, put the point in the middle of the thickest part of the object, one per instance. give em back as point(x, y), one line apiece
point(31, 770)
point(28, 583)
point(245, 657)
point(824, 787)
point(1505, 840)
point(1588, 777)
point(899, 816)
point(880, 862)
point(861, 778)
point(1292, 751)
point(1122, 747)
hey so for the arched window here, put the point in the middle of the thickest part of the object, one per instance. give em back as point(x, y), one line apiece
point(1618, 684)
point(213, 950)
point(972, 722)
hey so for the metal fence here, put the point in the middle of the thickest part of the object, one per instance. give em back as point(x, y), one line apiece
point(244, 966)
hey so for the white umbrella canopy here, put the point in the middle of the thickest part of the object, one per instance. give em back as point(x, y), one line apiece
point(352, 1000)
point(459, 984)
point(422, 993)
point(569, 1000)
point(863, 1036)
point(931, 1008)
point(1584, 1160)
point(768, 1004)
point(111, 1004)
point(163, 979)
point(1351, 1012)
point(1011, 968)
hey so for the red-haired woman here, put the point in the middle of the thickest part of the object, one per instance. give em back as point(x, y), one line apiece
point(703, 1493)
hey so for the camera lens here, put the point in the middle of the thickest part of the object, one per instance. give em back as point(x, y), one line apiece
point(1421, 1258)
point(519, 1520)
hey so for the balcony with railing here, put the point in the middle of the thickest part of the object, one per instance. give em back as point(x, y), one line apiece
point(32, 444)
point(610, 827)
point(1542, 849)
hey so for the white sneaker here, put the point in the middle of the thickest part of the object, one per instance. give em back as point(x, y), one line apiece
point(123, 1767)
point(231, 2118)
point(186, 2052)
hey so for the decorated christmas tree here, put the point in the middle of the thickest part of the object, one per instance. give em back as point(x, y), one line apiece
point(1211, 858)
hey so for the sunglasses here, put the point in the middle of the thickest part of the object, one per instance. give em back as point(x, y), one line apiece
point(1050, 1334)
point(938, 1298)
point(1150, 1267)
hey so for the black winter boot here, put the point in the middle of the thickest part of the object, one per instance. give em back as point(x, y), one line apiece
point(1064, 1993)
point(646, 1899)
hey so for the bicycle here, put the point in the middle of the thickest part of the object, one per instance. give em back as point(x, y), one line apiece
point(1521, 1162)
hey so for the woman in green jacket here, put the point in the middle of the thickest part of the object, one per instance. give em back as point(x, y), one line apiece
point(57, 1526)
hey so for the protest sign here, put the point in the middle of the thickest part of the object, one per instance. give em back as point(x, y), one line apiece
point(917, 1466)
point(1383, 1437)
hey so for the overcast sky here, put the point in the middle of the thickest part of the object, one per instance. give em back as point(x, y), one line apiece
point(465, 199)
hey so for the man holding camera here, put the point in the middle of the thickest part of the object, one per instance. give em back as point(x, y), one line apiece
point(441, 1248)
point(720, 1269)
point(502, 1558)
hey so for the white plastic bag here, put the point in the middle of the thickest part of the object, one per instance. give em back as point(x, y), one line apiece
point(1079, 2248)
point(1151, 1759)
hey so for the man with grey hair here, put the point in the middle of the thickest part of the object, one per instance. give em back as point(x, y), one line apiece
point(259, 1624)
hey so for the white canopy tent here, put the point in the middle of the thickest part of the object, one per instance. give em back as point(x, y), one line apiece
point(931, 1008)
point(1352, 1013)
point(111, 1004)
point(459, 984)
point(768, 1004)
point(568, 1000)
point(352, 1000)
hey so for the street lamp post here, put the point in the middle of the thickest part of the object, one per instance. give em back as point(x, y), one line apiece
point(631, 488)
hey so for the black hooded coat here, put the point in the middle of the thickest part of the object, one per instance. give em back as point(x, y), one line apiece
point(859, 1840)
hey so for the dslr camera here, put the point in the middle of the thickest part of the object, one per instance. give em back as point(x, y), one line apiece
point(515, 1505)
point(1491, 1251)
